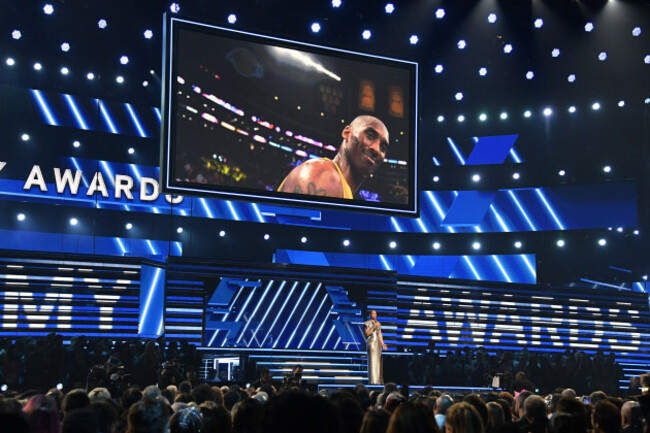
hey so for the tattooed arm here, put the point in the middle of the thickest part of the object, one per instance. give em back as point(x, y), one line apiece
point(314, 177)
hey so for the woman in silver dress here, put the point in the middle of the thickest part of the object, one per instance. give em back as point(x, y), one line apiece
point(374, 344)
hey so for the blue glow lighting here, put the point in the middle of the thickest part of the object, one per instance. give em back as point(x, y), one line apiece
point(21, 217)
point(38, 66)
point(392, 244)
point(461, 118)
point(530, 75)
point(73, 106)
point(441, 118)
point(148, 34)
point(121, 245)
point(232, 19)
point(65, 71)
point(268, 310)
point(482, 72)
point(16, 34)
point(135, 119)
point(589, 27)
point(44, 107)
point(314, 316)
point(305, 310)
point(90, 76)
point(602, 56)
point(119, 79)
point(74, 221)
point(621, 103)
point(24, 137)
point(302, 294)
point(102, 24)
point(492, 18)
point(48, 9)
point(233, 212)
point(482, 117)
point(413, 39)
point(607, 169)
point(152, 248)
point(503, 115)
point(336, 3)
point(389, 8)
point(527, 113)
point(250, 318)
point(158, 113)
point(461, 44)
point(150, 296)
point(636, 32)
point(384, 262)
point(440, 13)
point(560, 243)
point(555, 52)
point(571, 78)
point(206, 207)
point(507, 48)
point(547, 111)
point(366, 34)
point(107, 117)
point(65, 47)
point(124, 60)
point(175, 8)
point(572, 109)
point(10, 61)
point(595, 106)
point(439, 68)
point(315, 27)
point(538, 23)
point(458, 96)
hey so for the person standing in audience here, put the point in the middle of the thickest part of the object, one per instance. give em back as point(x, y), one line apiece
point(606, 418)
point(412, 417)
point(443, 403)
point(149, 415)
point(463, 418)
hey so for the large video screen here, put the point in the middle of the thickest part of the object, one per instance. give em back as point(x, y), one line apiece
point(253, 117)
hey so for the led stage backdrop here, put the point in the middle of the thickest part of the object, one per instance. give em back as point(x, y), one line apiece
point(249, 116)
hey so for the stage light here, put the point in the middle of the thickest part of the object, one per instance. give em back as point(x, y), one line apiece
point(102, 23)
point(515, 176)
point(436, 245)
point(636, 232)
point(492, 18)
point(74, 221)
point(571, 78)
point(547, 111)
point(561, 172)
point(303, 239)
point(602, 242)
point(621, 103)
point(315, 27)
point(589, 27)
point(620, 229)
point(527, 113)
point(461, 44)
point(595, 106)
point(366, 34)
point(38, 66)
point(636, 32)
point(538, 23)
point(560, 243)
point(647, 101)
point(389, 8)
point(232, 19)
point(458, 96)
point(476, 178)
point(436, 178)
point(76, 144)
point(65, 47)
point(441, 118)
point(21, 217)
point(59, 386)
point(517, 244)
point(24, 137)
point(148, 34)
point(145, 83)
point(131, 151)
point(503, 115)
point(90, 76)
point(530, 75)
point(438, 69)
point(572, 109)
point(482, 72)
point(336, 3)
point(392, 244)
point(179, 230)
point(175, 8)
point(4, 387)
point(440, 13)
point(602, 56)
point(461, 118)
point(124, 60)
point(346, 243)
point(65, 71)
point(48, 9)
point(476, 245)
point(129, 226)
point(119, 79)
point(266, 236)
point(482, 117)
point(413, 39)
point(607, 169)
point(16, 34)
point(222, 233)
point(10, 62)
point(646, 59)
point(645, 278)
point(152, 72)
point(507, 48)
point(555, 52)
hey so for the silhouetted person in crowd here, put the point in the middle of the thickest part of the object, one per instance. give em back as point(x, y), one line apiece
point(187, 420)
point(147, 365)
point(375, 421)
point(14, 421)
point(294, 412)
point(606, 418)
point(522, 383)
point(247, 416)
point(148, 416)
point(42, 414)
point(534, 415)
point(496, 418)
point(216, 419)
point(463, 418)
point(81, 421)
point(75, 399)
point(412, 417)
point(577, 410)
point(479, 405)
point(631, 417)
point(443, 403)
point(265, 378)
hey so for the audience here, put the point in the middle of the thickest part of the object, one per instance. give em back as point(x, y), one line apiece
point(463, 418)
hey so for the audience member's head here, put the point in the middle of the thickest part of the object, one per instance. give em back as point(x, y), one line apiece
point(606, 418)
point(149, 415)
point(479, 405)
point(569, 392)
point(535, 409)
point(215, 418)
point(98, 394)
point(247, 416)
point(518, 408)
point(131, 396)
point(152, 392)
point(81, 421)
point(412, 417)
point(202, 392)
point(561, 422)
point(107, 414)
point(293, 412)
point(185, 387)
point(496, 418)
point(350, 410)
point(597, 396)
point(42, 414)
point(393, 400)
point(375, 421)
point(390, 387)
point(13, 421)
point(463, 418)
point(75, 399)
point(188, 420)
point(443, 403)
point(577, 410)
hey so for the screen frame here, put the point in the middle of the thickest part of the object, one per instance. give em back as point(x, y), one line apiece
point(171, 26)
